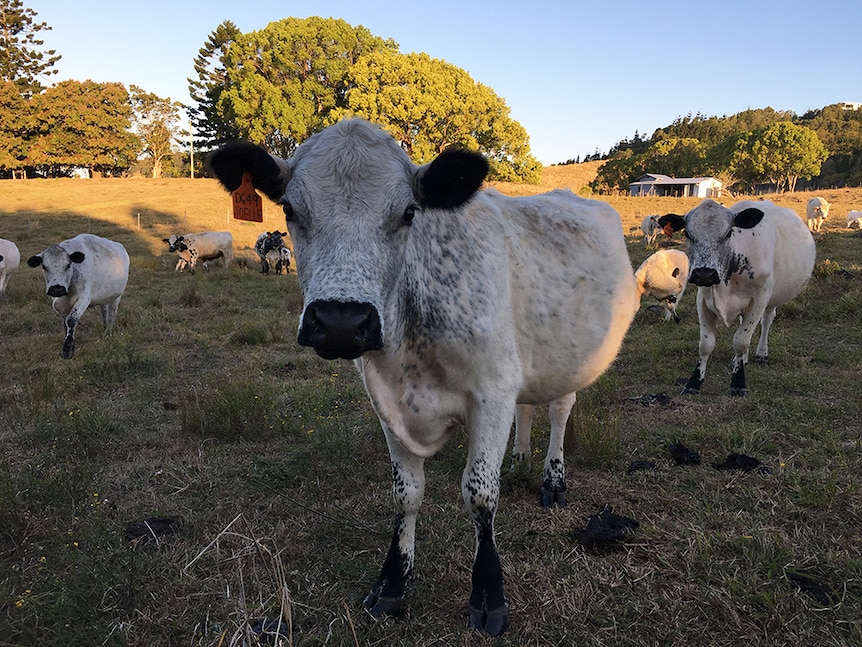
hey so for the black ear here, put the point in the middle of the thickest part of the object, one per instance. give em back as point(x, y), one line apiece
point(748, 218)
point(34, 261)
point(166, 240)
point(675, 272)
point(452, 178)
point(229, 162)
point(76, 257)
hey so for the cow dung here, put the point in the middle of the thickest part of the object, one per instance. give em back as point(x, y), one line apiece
point(682, 455)
point(605, 531)
point(742, 462)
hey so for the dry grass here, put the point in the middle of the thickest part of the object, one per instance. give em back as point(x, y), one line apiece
point(202, 408)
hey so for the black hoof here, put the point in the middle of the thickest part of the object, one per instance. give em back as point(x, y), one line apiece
point(691, 390)
point(761, 360)
point(380, 607)
point(738, 393)
point(68, 351)
point(493, 622)
point(550, 498)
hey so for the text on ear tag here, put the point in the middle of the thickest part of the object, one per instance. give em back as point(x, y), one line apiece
point(247, 204)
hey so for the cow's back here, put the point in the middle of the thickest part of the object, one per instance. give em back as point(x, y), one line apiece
point(794, 249)
point(105, 267)
point(571, 291)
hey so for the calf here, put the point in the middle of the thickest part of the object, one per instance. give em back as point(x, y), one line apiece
point(650, 229)
point(82, 271)
point(456, 307)
point(202, 247)
point(9, 260)
point(746, 261)
point(664, 276)
point(273, 252)
point(816, 211)
point(854, 219)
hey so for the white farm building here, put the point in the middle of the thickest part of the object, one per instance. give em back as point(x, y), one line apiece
point(656, 184)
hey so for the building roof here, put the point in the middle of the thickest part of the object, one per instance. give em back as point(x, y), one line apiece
point(658, 178)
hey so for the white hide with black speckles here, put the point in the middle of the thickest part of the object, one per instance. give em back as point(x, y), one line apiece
point(494, 303)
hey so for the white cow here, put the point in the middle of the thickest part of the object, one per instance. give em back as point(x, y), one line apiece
point(664, 276)
point(816, 211)
point(456, 306)
point(9, 260)
point(202, 247)
point(82, 271)
point(854, 219)
point(746, 261)
point(650, 229)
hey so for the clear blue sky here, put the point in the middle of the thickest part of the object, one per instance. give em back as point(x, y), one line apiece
point(579, 76)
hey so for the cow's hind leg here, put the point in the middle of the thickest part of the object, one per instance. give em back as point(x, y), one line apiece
point(408, 486)
point(554, 473)
point(109, 314)
point(761, 354)
point(523, 424)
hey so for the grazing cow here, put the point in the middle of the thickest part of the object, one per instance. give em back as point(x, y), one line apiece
point(455, 305)
point(854, 219)
point(273, 252)
point(202, 247)
point(650, 228)
point(746, 261)
point(664, 276)
point(671, 223)
point(816, 211)
point(82, 271)
point(9, 260)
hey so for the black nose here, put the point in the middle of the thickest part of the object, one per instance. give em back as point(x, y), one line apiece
point(337, 329)
point(57, 291)
point(703, 277)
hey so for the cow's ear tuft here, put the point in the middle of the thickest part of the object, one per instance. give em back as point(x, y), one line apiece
point(76, 257)
point(34, 261)
point(451, 179)
point(748, 218)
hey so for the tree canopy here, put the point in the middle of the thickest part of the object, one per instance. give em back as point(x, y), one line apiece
point(21, 60)
point(156, 120)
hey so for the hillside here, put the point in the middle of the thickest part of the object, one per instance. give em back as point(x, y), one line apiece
point(569, 176)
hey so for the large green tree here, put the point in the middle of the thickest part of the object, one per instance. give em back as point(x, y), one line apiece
point(156, 122)
point(283, 81)
point(21, 60)
point(82, 124)
point(429, 105)
point(780, 153)
point(15, 122)
point(211, 128)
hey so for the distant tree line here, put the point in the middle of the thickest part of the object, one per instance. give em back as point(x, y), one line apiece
point(753, 149)
point(276, 87)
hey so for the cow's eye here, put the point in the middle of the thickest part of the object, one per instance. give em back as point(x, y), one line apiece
point(728, 234)
point(409, 214)
point(288, 211)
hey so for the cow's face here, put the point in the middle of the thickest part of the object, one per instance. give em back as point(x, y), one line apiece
point(710, 228)
point(176, 243)
point(58, 268)
point(350, 197)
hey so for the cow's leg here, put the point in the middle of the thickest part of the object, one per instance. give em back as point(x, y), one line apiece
point(523, 423)
point(554, 473)
point(480, 488)
point(408, 486)
point(761, 354)
point(741, 344)
point(70, 322)
point(109, 314)
point(707, 320)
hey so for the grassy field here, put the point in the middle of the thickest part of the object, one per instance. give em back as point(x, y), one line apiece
point(269, 465)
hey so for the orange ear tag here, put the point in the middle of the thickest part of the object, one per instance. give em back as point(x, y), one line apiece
point(247, 204)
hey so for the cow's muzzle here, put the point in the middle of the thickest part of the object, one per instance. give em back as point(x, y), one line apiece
point(337, 329)
point(57, 291)
point(703, 277)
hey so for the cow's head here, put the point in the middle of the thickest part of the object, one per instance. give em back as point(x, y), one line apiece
point(351, 198)
point(709, 228)
point(58, 268)
point(175, 243)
